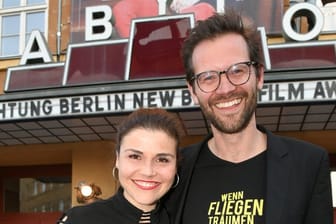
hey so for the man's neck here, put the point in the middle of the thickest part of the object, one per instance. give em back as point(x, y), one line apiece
point(240, 146)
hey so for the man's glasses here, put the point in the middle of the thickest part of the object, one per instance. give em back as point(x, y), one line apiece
point(237, 74)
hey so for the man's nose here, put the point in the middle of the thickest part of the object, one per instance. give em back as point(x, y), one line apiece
point(225, 86)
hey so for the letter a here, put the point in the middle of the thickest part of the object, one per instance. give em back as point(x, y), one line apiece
point(37, 50)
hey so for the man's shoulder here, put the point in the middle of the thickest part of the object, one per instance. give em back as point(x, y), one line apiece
point(294, 144)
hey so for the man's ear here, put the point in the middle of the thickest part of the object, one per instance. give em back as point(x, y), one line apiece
point(260, 78)
point(192, 93)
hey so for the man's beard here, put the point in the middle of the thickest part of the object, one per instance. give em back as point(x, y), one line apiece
point(233, 124)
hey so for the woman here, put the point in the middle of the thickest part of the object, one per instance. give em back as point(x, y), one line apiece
point(146, 164)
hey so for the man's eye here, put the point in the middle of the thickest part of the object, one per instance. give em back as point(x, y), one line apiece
point(208, 77)
point(237, 71)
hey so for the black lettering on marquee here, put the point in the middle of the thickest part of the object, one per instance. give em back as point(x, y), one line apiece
point(97, 104)
point(325, 89)
point(23, 109)
point(119, 102)
point(319, 91)
point(167, 99)
point(47, 107)
point(108, 101)
point(11, 106)
point(64, 106)
point(138, 101)
point(294, 93)
point(3, 110)
point(262, 92)
point(266, 90)
point(151, 99)
point(277, 94)
point(186, 97)
point(331, 89)
point(75, 105)
point(35, 108)
point(87, 104)
point(270, 92)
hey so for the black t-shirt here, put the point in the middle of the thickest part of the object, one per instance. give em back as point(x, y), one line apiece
point(222, 192)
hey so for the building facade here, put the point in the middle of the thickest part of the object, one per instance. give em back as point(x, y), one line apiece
point(71, 70)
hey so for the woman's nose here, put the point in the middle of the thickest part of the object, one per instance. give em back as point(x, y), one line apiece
point(148, 168)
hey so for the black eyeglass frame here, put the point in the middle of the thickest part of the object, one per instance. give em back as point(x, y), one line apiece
point(219, 74)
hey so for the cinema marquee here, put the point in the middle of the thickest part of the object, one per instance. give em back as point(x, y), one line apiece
point(151, 52)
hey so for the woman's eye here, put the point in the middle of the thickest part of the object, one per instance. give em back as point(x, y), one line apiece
point(163, 160)
point(134, 156)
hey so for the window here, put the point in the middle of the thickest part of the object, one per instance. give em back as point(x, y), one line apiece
point(10, 3)
point(61, 205)
point(25, 189)
point(333, 185)
point(21, 196)
point(43, 187)
point(18, 18)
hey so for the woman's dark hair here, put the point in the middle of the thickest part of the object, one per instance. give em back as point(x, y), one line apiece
point(151, 119)
point(215, 26)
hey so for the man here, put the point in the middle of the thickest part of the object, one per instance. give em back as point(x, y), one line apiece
point(242, 173)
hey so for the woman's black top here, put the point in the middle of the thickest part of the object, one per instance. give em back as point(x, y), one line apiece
point(115, 210)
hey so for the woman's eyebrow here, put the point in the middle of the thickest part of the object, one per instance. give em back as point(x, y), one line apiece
point(133, 150)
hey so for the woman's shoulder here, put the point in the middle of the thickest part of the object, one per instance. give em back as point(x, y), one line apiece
point(92, 212)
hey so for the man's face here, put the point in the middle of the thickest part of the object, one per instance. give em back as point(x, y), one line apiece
point(229, 108)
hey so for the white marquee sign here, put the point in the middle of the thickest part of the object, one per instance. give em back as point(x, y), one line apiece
point(282, 92)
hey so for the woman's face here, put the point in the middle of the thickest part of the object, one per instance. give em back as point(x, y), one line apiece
point(146, 166)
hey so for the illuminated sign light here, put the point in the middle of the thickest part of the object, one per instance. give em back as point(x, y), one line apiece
point(36, 50)
point(265, 13)
point(137, 69)
point(303, 55)
point(98, 62)
point(155, 55)
point(154, 46)
point(278, 92)
point(34, 77)
point(98, 27)
point(95, 15)
point(312, 12)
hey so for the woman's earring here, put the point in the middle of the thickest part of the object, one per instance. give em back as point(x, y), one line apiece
point(114, 170)
point(177, 181)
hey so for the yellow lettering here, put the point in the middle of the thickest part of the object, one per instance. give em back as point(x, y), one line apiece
point(249, 219)
point(224, 197)
point(235, 220)
point(239, 207)
point(212, 207)
point(222, 220)
point(247, 208)
point(258, 207)
point(217, 210)
point(229, 208)
point(233, 196)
